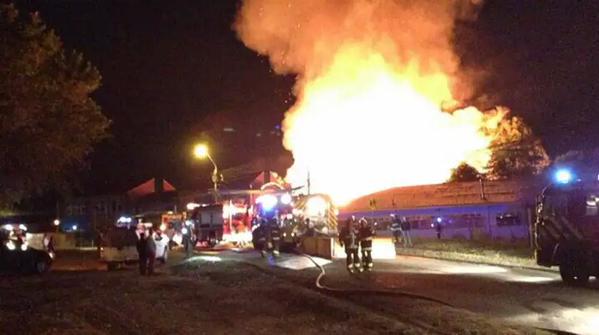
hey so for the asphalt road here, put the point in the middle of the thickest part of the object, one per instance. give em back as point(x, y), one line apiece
point(487, 299)
point(523, 296)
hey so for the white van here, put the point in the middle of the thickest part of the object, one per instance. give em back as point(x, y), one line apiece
point(119, 247)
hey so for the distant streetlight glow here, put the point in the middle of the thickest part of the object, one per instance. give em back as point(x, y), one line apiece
point(56, 222)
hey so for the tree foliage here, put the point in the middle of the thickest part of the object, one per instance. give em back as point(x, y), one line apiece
point(516, 151)
point(48, 121)
point(464, 172)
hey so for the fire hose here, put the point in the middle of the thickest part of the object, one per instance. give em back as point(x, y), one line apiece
point(320, 286)
point(323, 287)
point(378, 292)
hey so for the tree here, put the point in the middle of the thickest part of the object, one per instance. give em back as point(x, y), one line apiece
point(464, 172)
point(516, 152)
point(48, 121)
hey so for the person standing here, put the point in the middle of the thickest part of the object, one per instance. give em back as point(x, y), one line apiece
point(142, 252)
point(274, 236)
point(49, 243)
point(438, 228)
point(396, 228)
point(151, 251)
point(349, 240)
point(365, 235)
point(406, 227)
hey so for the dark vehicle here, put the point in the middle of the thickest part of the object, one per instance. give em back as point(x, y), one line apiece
point(566, 230)
point(17, 256)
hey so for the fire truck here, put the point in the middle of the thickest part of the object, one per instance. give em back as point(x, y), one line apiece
point(566, 228)
point(240, 212)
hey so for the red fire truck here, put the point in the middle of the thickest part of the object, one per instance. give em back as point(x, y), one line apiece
point(233, 219)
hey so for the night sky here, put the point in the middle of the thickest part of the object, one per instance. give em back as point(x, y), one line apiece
point(172, 69)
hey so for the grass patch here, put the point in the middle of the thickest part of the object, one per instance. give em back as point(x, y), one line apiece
point(517, 253)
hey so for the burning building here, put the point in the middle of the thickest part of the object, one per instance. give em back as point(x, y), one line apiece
point(495, 209)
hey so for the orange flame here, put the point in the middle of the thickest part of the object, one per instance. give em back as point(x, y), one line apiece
point(365, 126)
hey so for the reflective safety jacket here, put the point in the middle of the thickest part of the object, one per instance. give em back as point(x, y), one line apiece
point(365, 235)
point(274, 232)
point(349, 238)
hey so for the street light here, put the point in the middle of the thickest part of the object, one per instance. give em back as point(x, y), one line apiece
point(201, 151)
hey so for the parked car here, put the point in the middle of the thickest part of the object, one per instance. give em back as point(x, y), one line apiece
point(17, 256)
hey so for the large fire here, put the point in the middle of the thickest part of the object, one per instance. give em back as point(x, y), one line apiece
point(365, 126)
point(369, 111)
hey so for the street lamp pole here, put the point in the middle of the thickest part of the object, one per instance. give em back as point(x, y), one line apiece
point(201, 151)
point(215, 176)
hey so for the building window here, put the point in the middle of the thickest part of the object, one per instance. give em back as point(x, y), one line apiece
point(470, 220)
point(507, 219)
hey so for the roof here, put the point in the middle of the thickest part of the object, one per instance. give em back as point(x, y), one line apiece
point(448, 194)
point(149, 187)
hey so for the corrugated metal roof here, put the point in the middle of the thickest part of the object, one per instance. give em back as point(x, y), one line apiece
point(449, 194)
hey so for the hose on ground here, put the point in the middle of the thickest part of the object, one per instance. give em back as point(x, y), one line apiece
point(321, 286)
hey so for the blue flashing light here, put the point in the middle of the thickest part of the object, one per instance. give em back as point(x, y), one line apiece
point(268, 202)
point(563, 176)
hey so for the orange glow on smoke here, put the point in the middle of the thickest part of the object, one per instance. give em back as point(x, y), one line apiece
point(365, 126)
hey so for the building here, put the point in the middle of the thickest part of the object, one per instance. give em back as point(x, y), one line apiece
point(495, 209)
point(91, 213)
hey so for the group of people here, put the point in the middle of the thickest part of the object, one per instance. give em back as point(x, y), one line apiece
point(146, 248)
point(401, 231)
point(355, 238)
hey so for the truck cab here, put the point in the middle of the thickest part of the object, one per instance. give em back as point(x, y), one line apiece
point(208, 224)
point(566, 230)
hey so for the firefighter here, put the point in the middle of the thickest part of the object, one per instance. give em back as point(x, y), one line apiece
point(396, 228)
point(274, 236)
point(259, 237)
point(348, 238)
point(365, 234)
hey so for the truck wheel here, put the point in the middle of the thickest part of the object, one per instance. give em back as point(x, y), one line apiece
point(111, 266)
point(574, 273)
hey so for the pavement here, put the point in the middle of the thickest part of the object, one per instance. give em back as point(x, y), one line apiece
point(525, 296)
point(271, 295)
point(520, 296)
